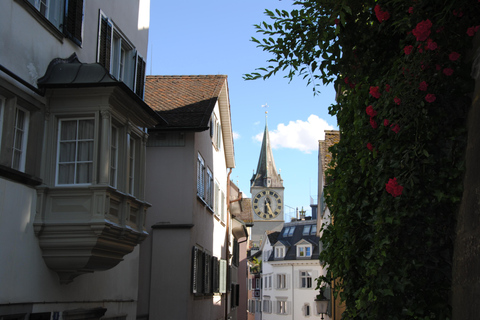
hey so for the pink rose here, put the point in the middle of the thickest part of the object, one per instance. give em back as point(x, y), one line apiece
point(472, 30)
point(430, 97)
point(422, 30)
point(432, 45)
point(395, 128)
point(410, 10)
point(454, 56)
point(397, 100)
point(386, 122)
point(448, 71)
point(381, 15)
point(408, 49)
point(393, 187)
point(370, 111)
point(423, 86)
point(374, 91)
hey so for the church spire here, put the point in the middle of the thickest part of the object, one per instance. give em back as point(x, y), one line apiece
point(266, 174)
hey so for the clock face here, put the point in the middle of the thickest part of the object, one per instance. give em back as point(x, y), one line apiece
point(267, 204)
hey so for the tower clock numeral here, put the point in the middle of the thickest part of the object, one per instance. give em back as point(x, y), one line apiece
point(256, 200)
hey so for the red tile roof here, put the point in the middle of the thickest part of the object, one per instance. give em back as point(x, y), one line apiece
point(184, 102)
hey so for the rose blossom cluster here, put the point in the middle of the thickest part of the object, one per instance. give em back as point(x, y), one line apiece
point(393, 187)
point(381, 15)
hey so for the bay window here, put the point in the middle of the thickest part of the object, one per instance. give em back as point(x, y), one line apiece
point(114, 156)
point(20, 132)
point(75, 151)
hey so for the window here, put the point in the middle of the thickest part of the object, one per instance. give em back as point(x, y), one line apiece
point(267, 304)
point(204, 271)
point(304, 251)
point(306, 309)
point(114, 157)
point(270, 282)
point(257, 283)
point(249, 284)
point(131, 165)
point(313, 232)
point(279, 252)
point(200, 177)
point(282, 307)
point(285, 232)
point(290, 232)
point(20, 132)
point(305, 279)
point(75, 151)
point(209, 188)
point(281, 281)
point(118, 55)
point(216, 132)
point(306, 230)
point(65, 15)
point(266, 255)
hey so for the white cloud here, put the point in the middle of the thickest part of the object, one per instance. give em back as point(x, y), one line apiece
point(300, 135)
point(236, 135)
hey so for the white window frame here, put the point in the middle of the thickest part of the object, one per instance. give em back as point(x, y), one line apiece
point(114, 140)
point(123, 58)
point(209, 188)
point(131, 163)
point(92, 161)
point(267, 304)
point(279, 252)
point(282, 281)
point(305, 249)
point(306, 279)
point(53, 12)
point(200, 177)
point(313, 230)
point(22, 147)
point(282, 306)
point(270, 282)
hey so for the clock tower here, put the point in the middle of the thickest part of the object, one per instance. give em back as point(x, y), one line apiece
point(266, 188)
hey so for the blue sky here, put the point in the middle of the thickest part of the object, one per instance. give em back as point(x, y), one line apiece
point(191, 37)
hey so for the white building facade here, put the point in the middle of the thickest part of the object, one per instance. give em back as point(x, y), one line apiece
point(72, 155)
point(289, 272)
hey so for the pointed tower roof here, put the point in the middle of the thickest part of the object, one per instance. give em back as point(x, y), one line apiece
point(266, 174)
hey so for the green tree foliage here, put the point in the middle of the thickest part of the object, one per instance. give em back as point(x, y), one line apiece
point(402, 73)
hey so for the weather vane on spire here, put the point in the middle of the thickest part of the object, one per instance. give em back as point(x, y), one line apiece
point(265, 106)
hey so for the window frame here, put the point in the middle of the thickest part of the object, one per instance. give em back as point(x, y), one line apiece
point(132, 157)
point(282, 306)
point(111, 41)
point(281, 281)
point(280, 252)
point(304, 248)
point(24, 138)
point(114, 155)
point(200, 176)
point(306, 275)
point(57, 161)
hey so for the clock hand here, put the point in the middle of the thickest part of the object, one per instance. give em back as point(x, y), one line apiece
point(269, 209)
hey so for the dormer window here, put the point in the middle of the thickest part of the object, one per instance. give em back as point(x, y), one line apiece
point(279, 252)
point(304, 251)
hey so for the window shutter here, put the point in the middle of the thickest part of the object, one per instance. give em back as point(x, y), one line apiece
point(287, 281)
point(105, 43)
point(194, 269)
point(288, 307)
point(72, 22)
point(139, 76)
point(206, 274)
point(215, 274)
point(223, 276)
point(298, 280)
